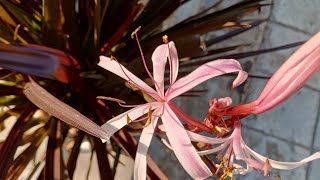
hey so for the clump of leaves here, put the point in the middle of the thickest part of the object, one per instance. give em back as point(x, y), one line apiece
point(59, 42)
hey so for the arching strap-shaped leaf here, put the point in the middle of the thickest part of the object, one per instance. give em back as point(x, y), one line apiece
point(47, 102)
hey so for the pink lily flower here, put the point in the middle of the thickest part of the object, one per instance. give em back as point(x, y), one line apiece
point(163, 108)
point(288, 79)
point(234, 148)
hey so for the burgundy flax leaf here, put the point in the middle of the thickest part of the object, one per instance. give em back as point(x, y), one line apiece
point(228, 17)
point(234, 32)
point(202, 13)
point(71, 26)
point(23, 18)
point(47, 102)
point(39, 61)
point(5, 73)
point(123, 28)
point(216, 51)
point(10, 90)
point(182, 32)
point(103, 160)
point(53, 166)
point(116, 159)
point(113, 19)
point(152, 15)
point(96, 22)
point(21, 162)
point(195, 62)
point(72, 161)
point(30, 137)
point(53, 22)
point(11, 143)
point(190, 46)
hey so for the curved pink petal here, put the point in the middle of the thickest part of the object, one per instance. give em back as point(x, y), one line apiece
point(116, 68)
point(237, 143)
point(159, 60)
point(213, 150)
point(292, 75)
point(47, 102)
point(295, 59)
point(284, 165)
point(116, 123)
point(182, 147)
point(140, 163)
point(205, 72)
point(292, 81)
point(173, 57)
point(210, 140)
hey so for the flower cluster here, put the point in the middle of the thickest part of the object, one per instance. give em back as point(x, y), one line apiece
point(223, 122)
point(162, 106)
point(289, 78)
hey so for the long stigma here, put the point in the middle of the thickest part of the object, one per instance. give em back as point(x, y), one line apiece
point(111, 99)
point(135, 34)
point(129, 79)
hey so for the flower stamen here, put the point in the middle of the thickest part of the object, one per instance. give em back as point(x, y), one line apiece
point(165, 39)
point(112, 58)
point(111, 99)
point(128, 119)
point(135, 34)
point(149, 118)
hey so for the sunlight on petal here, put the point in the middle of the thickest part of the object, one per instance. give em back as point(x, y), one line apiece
point(140, 163)
point(205, 72)
point(182, 146)
point(118, 122)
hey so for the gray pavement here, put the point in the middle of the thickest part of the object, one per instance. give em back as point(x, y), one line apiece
point(291, 131)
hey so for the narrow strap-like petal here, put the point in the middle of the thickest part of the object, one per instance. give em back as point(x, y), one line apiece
point(298, 57)
point(118, 122)
point(182, 147)
point(140, 163)
point(237, 142)
point(201, 138)
point(205, 72)
point(116, 68)
point(284, 165)
point(292, 81)
point(159, 58)
point(213, 150)
point(47, 102)
point(292, 75)
point(173, 57)
point(210, 140)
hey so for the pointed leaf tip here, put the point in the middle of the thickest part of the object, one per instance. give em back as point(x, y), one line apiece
point(47, 102)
